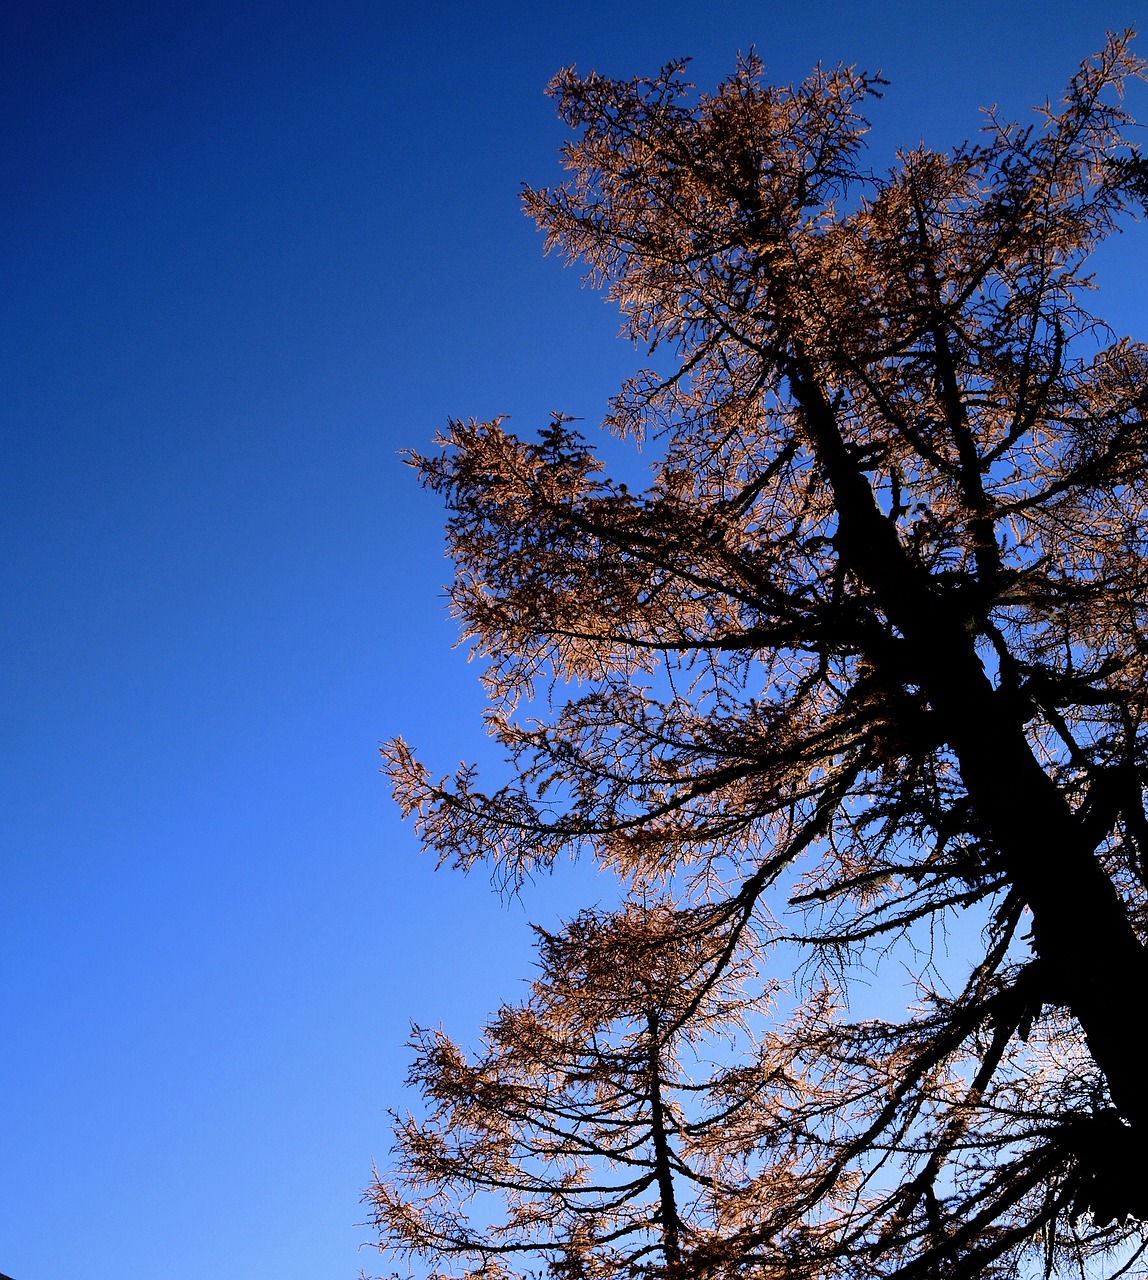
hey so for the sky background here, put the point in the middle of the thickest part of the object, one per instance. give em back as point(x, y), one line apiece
point(250, 252)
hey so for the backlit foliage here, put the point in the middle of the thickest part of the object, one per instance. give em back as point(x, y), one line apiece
point(866, 661)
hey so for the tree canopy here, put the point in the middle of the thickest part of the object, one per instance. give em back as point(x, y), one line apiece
point(864, 662)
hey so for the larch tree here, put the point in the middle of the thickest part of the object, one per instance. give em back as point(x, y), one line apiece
point(615, 1118)
point(865, 662)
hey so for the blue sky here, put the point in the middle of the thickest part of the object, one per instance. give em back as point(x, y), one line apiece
point(250, 252)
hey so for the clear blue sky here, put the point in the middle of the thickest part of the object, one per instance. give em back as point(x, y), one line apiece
point(250, 252)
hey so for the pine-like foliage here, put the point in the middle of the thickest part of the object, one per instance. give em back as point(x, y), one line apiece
point(865, 662)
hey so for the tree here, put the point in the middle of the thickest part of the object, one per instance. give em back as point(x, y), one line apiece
point(607, 1154)
point(867, 658)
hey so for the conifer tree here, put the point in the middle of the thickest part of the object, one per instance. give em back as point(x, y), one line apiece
point(615, 1118)
point(865, 661)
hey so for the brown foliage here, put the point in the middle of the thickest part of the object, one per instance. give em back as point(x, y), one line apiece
point(867, 658)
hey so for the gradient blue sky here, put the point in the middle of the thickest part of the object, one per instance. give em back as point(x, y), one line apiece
point(250, 252)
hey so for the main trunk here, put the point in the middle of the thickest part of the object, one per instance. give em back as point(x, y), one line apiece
point(1096, 964)
point(1080, 930)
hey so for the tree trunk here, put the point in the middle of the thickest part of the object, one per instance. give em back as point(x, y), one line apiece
point(1081, 931)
